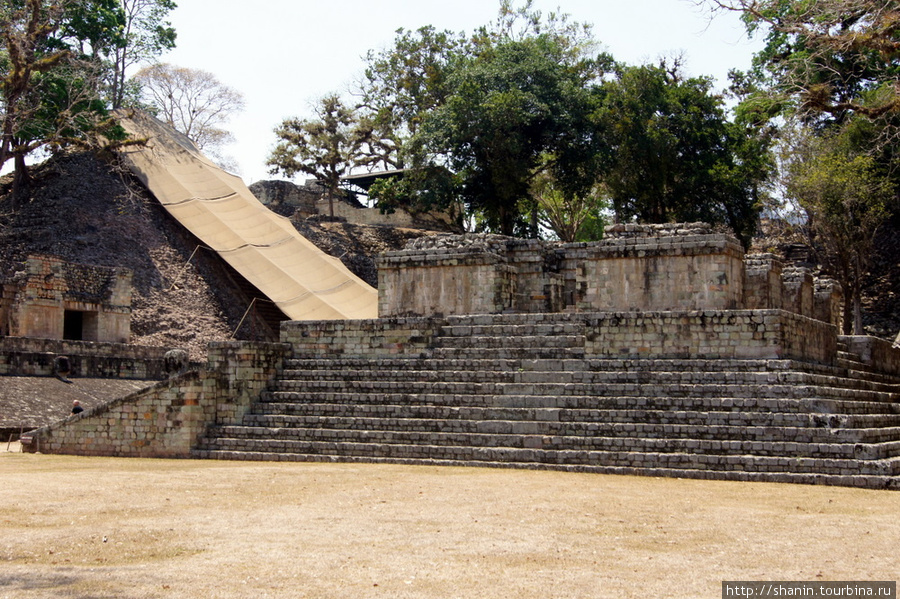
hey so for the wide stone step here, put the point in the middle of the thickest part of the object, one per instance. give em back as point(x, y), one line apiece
point(537, 331)
point(695, 418)
point(845, 480)
point(511, 341)
point(860, 451)
point(659, 402)
point(507, 353)
point(587, 429)
point(698, 461)
point(520, 375)
point(599, 389)
point(487, 364)
point(577, 364)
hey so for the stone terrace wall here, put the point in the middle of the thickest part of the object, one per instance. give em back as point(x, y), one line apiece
point(22, 356)
point(361, 338)
point(732, 334)
point(166, 420)
point(447, 275)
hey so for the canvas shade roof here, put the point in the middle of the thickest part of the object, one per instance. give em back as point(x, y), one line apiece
point(264, 247)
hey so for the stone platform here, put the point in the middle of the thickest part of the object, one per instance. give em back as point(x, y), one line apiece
point(574, 392)
point(661, 350)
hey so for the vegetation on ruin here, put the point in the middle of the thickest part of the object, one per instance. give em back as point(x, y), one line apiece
point(829, 77)
point(62, 68)
point(485, 124)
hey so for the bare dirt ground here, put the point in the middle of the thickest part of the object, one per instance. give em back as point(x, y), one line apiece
point(102, 527)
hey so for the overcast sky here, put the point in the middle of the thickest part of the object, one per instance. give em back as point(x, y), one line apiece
point(284, 54)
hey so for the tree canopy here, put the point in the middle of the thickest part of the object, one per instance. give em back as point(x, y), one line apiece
point(829, 75)
point(323, 147)
point(58, 70)
point(676, 155)
point(524, 117)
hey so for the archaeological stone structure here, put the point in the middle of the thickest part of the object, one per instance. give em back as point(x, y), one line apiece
point(54, 299)
point(661, 350)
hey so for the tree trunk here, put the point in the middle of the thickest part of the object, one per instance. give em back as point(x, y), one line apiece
point(21, 182)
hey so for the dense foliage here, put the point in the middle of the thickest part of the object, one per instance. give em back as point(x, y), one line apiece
point(59, 70)
point(524, 129)
point(829, 76)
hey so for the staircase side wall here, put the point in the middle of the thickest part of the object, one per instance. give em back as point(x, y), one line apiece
point(166, 420)
point(878, 354)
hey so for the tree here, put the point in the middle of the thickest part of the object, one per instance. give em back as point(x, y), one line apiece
point(846, 197)
point(400, 86)
point(145, 35)
point(325, 147)
point(571, 218)
point(828, 58)
point(192, 101)
point(676, 156)
point(512, 104)
point(50, 77)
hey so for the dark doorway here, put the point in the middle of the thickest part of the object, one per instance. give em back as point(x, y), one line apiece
point(73, 325)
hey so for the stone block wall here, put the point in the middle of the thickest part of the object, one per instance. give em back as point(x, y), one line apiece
point(540, 284)
point(738, 334)
point(763, 282)
point(874, 352)
point(361, 338)
point(634, 268)
point(798, 291)
point(828, 301)
point(167, 420)
point(658, 267)
point(24, 356)
point(427, 279)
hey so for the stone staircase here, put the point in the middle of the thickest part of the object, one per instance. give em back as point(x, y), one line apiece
point(510, 391)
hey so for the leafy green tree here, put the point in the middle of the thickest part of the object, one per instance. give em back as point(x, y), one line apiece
point(50, 77)
point(847, 197)
point(570, 217)
point(325, 147)
point(512, 104)
point(145, 34)
point(826, 59)
point(676, 156)
point(400, 86)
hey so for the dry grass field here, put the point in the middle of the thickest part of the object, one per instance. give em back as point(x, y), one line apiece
point(98, 527)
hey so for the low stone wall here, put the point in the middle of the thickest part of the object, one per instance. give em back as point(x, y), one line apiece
point(361, 338)
point(167, 420)
point(471, 275)
point(733, 334)
point(876, 353)
point(23, 356)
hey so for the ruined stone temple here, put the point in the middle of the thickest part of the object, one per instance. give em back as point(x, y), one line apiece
point(660, 350)
point(54, 299)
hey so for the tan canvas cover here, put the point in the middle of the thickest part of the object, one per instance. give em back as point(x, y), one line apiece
point(265, 248)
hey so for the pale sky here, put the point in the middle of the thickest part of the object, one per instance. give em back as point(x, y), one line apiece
point(284, 54)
